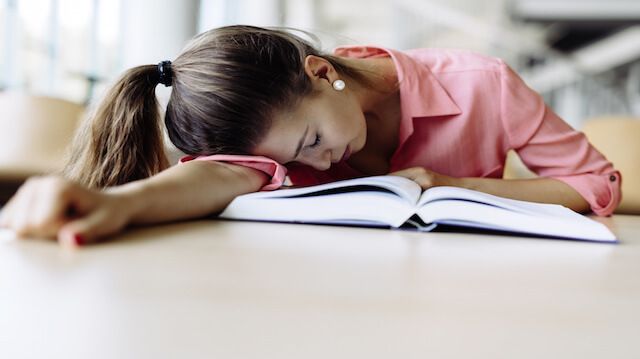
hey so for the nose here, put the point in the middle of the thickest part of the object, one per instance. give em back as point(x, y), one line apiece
point(321, 162)
point(325, 160)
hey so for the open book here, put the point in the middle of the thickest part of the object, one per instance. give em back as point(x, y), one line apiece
point(397, 202)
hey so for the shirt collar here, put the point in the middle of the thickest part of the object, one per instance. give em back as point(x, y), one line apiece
point(421, 94)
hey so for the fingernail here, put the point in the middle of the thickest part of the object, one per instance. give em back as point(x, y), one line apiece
point(79, 239)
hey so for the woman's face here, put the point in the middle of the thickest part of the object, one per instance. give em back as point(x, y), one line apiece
point(325, 128)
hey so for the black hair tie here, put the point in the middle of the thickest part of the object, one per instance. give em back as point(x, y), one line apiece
point(165, 75)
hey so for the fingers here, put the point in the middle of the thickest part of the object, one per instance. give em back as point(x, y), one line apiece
point(54, 207)
point(417, 174)
point(41, 206)
point(46, 212)
point(424, 177)
point(91, 228)
point(16, 213)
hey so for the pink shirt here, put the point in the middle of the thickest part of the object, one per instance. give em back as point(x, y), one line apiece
point(461, 113)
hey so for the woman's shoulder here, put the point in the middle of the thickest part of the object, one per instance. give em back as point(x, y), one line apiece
point(439, 60)
point(442, 60)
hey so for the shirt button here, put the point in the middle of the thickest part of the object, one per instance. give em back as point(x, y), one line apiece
point(612, 178)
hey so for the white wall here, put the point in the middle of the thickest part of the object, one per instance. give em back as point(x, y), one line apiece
point(215, 13)
point(156, 30)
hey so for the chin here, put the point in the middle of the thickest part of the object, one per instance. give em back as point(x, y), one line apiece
point(321, 168)
point(360, 146)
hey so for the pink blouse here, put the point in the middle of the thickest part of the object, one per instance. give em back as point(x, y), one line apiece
point(461, 113)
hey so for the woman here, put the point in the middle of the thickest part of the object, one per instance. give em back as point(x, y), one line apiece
point(249, 104)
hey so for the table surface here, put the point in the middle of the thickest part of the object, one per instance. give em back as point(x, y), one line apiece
point(220, 289)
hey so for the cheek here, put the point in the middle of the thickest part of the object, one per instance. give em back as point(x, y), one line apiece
point(358, 125)
point(344, 120)
point(357, 118)
point(353, 120)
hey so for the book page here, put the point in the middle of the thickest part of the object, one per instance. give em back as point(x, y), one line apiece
point(363, 208)
point(456, 193)
point(566, 223)
point(405, 189)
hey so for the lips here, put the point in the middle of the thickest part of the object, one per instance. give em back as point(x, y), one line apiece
point(346, 154)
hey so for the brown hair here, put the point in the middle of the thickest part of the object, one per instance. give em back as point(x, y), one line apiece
point(227, 84)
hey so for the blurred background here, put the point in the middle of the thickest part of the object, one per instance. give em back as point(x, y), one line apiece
point(583, 56)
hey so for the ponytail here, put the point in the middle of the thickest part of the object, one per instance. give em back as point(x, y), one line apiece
point(122, 141)
point(227, 85)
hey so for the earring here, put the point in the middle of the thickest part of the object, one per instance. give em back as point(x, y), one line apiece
point(338, 85)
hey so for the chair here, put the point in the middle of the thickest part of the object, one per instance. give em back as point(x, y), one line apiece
point(618, 138)
point(514, 168)
point(34, 134)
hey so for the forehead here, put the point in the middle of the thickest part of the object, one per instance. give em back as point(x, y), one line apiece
point(284, 134)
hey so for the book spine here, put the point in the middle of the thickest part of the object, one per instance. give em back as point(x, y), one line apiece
point(428, 227)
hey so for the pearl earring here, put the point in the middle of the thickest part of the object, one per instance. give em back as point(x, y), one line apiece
point(338, 85)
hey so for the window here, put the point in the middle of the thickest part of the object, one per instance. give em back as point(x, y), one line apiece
point(60, 48)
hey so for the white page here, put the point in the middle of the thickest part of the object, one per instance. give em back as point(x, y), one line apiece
point(375, 208)
point(403, 187)
point(569, 225)
point(538, 209)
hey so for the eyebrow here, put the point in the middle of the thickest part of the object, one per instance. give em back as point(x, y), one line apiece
point(299, 148)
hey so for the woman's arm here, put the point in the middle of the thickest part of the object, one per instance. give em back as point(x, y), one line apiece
point(545, 190)
point(553, 150)
point(52, 206)
point(190, 190)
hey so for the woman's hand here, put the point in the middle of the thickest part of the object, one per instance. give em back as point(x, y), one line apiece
point(55, 207)
point(425, 178)
point(543, 190)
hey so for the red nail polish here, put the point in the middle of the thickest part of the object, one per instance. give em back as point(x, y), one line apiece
point(79, 239)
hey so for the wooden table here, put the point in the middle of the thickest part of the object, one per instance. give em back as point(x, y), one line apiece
point(215, 289)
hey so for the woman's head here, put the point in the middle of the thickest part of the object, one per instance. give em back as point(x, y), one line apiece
point(248, 90)
point(236, 90)
point(322, 128)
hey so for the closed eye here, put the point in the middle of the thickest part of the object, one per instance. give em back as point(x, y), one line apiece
point(316, 142)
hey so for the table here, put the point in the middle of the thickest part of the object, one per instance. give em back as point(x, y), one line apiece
point(221, 289)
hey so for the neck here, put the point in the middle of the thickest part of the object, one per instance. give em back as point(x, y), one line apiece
point(380, 103)
point(382, 89)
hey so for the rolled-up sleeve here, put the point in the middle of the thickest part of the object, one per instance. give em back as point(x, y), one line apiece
point(552, 148)
point(271, 168)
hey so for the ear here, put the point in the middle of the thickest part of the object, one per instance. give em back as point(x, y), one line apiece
point(319, 70)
